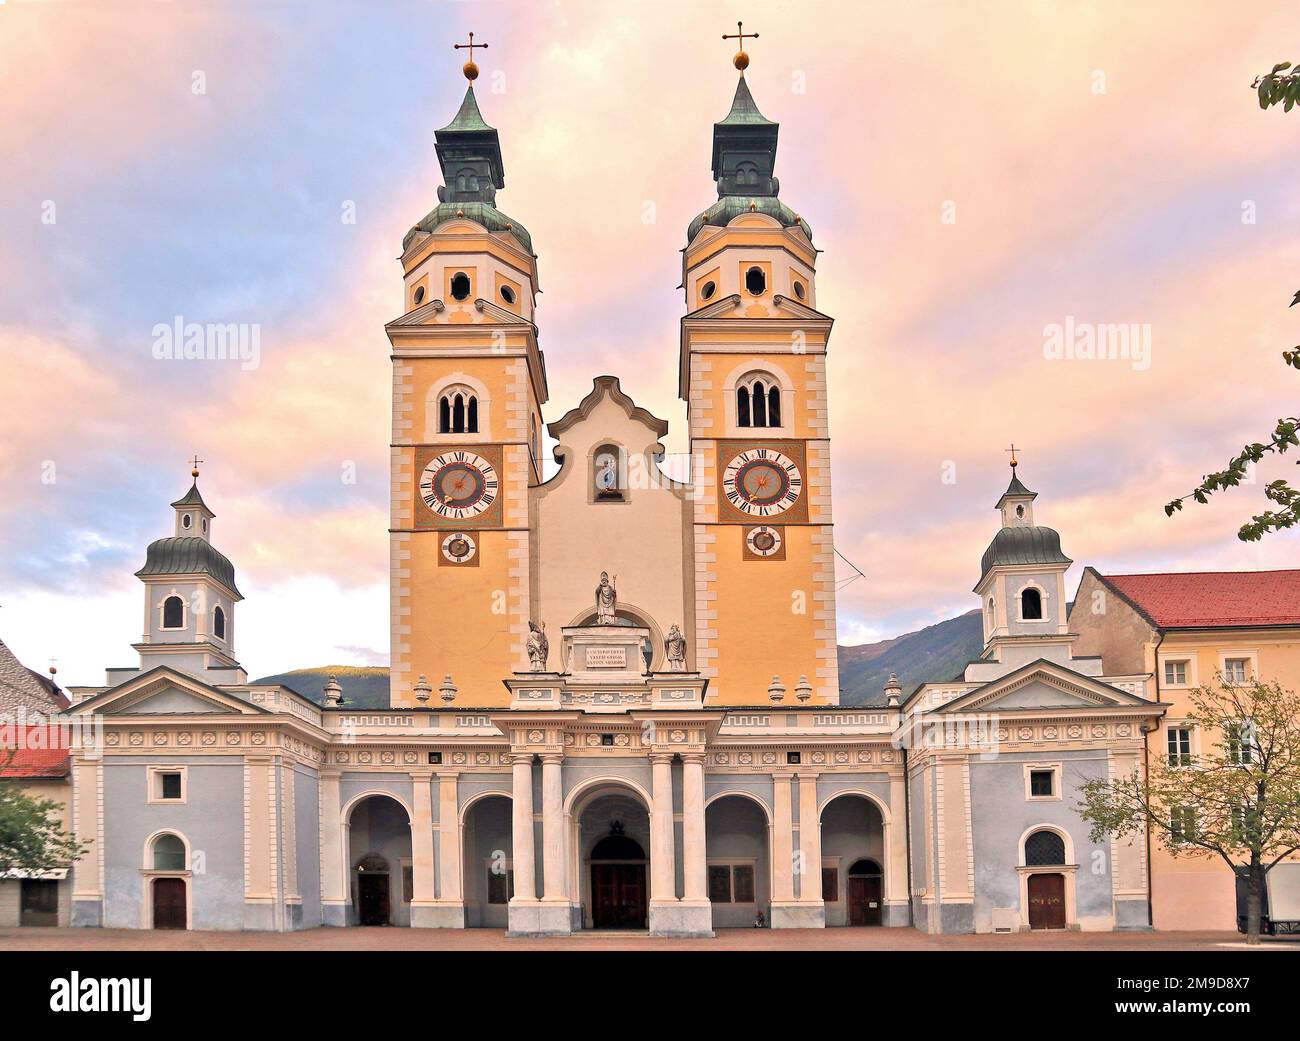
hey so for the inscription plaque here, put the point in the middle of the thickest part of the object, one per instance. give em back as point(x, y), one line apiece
point(606, 657)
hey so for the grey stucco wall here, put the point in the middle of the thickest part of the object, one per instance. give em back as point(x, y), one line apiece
point(1001, 814)
point(306, 806)
point(212, 819)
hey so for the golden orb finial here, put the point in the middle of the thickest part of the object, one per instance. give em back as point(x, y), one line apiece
point(741, 60)
point(194, 463)
point(470, 68)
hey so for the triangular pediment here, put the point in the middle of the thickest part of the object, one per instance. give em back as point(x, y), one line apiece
point(1046, 686)
point(165, 692)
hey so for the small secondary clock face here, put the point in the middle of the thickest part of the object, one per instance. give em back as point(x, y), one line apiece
point(459, 547)
point(762, 482)
point(763, 541)
point(457, 485)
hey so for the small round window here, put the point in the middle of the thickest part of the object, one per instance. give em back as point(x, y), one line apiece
point(186, 520)
point(707, 290)
point(507, 294)
point(755, 281)
point(460, 285)
point(799, 290)
point(419, 294)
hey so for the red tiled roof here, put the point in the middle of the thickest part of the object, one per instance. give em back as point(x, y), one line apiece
point(1214, 599)
point(33, 751)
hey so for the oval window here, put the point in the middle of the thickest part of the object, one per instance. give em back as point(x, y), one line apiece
point(460, 285)
point(419, 294)
point(755, 281)
point(799, 290)
point(707, 290)
point(186, 520)
point(507, 294)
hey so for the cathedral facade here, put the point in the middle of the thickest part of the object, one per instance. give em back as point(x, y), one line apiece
point(614, 693)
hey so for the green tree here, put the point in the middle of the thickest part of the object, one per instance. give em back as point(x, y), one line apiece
point(1277, 87)
point(31, 836)
point(1239, 799)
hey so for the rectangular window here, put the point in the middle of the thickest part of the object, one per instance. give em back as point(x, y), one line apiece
point(1176, 673)
point(830, 885)
point(1042, 783)
point(171, 786)
point(500, 886)
point(742, 876)
point(166, 785)
point(1180, 746)
point(1182, 823)
point(720, 883)
point(1240, 742)
point(1234, 670)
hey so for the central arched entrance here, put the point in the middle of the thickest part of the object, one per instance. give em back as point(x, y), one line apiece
point(618, 882)
point(612, 833)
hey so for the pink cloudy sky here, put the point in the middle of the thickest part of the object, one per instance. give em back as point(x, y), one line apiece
point(1098, 158)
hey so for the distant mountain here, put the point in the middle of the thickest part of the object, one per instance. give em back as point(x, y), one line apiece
point(936, 652)
point(363, 686)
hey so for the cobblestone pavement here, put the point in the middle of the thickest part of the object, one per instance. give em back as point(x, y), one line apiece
point(727, 940)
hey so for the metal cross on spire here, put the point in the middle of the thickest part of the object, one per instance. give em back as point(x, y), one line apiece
point(470, 69)
point(194, 463)
point(1012, 450)
point(741, 60)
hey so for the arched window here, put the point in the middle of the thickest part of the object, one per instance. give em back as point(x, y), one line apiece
point(218, 623)
point(168, 853)
point(758, 401)
point(755, 281)
point(1031, 604)
point(457, 411)
point(460, 285)
point(1044, 848)
point(173, 613)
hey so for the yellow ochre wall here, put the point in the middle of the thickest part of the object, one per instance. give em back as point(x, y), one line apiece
point(1196, 892)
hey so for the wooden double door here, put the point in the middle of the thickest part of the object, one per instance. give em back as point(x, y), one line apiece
point(372, 898)
point(1046, 901)
point(618, 896)
point(865, 893)
point(169, 904)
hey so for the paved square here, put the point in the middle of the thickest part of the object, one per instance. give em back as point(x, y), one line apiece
point(391, 939)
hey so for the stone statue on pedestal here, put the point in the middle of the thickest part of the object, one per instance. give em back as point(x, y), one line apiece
point(675, 649)
point(606, 600)
point(539, 647)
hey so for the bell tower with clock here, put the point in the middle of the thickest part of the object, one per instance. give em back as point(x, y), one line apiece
point(753, 374)
point(468, 384)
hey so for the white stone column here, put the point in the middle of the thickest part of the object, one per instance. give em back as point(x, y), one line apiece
point(552, 829)
point(810, 850)
point(782, 840)
point(522, 853)
point(663, 880)
point(423, 876)
point(335, 897)
point(695, 866)
point(449, 852)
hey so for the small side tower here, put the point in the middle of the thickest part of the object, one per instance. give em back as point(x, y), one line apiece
point(189, 599)
point(1022, 581)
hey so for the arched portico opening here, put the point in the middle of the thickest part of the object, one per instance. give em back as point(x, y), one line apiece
point(737, 848)
point(379, 856)
point(611, 828)
point(853, 850)
point(489, 871)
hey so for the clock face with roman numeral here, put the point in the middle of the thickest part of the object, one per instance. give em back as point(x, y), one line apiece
point(458, 485)
point(762, 482)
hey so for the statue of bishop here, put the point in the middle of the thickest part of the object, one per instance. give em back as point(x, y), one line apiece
point(606, 600)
